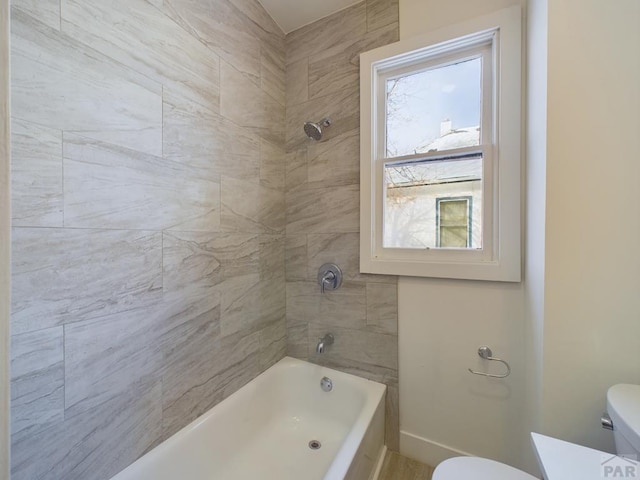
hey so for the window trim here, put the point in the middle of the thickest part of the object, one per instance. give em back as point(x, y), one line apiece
point(500, 259)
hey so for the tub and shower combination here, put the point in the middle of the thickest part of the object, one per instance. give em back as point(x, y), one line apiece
point(295, 421)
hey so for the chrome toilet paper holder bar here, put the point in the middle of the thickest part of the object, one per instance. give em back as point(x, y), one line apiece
point(486, 353)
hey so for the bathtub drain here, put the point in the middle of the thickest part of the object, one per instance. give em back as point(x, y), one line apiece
point(314, 445)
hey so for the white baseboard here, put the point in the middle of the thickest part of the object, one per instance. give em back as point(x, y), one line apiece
point(427, 451)
point(378, 469)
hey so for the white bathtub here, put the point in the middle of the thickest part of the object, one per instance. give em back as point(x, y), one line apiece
point(263, 431)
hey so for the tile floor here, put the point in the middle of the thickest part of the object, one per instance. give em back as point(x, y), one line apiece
point(397, 467)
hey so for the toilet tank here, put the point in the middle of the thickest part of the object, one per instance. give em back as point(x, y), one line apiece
point(623, 406)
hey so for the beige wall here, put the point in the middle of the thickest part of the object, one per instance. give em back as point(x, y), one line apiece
point(592, 279)
point(441, 325)
point(535, 193)
point(443, 408)
point(4, 239)
point(420, 16)
point(571, 329)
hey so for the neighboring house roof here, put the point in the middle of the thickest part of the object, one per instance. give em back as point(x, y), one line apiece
point(458, 138)
point(430, 173)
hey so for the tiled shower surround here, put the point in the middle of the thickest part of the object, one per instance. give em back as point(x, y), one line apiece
point(160, 176)
point(322, 183)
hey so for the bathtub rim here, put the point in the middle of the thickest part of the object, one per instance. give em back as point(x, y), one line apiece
point(375, 393)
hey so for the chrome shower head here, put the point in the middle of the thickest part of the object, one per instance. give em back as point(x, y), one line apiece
point(314, 130)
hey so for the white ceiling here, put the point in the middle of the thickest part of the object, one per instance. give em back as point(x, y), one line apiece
point(293, 14)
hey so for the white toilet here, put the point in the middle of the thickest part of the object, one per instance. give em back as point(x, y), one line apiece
point(623, 406)
point(474, 468)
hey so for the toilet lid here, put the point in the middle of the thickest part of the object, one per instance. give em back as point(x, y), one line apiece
point(474, 468)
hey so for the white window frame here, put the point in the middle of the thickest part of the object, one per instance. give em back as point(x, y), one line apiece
point(500, 144)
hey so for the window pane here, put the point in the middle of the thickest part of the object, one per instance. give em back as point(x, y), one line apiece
point(437, 109)
point(453, 223)
point(454, 237)
point(433, 203)
point(454, 213)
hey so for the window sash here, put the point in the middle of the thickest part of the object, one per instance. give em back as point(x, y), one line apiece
point(486, 49)
point(482, 254)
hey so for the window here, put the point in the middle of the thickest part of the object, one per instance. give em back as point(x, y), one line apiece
point(454, 222)
point(440, 152)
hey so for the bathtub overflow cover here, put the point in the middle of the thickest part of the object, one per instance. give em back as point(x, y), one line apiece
point(326, 384)
point(314, 445)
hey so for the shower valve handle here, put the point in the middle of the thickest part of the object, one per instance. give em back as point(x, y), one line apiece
point(329, 277)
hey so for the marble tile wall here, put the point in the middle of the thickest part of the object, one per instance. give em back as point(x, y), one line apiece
point(5, 228)
point(148, 190)
point(322, 202)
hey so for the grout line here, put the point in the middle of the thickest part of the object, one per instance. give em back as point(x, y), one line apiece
point(366, 17)
point(220, 87)
point(62, 172)
point(64, 372)
point(162, 120)
point(168, 230)
point(162, 261)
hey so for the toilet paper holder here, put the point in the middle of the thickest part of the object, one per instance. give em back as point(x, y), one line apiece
point(486, 353)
